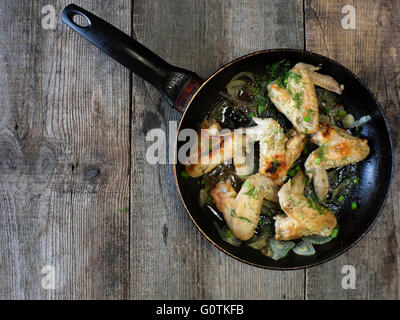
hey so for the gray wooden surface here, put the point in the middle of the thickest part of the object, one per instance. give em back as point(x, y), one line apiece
point(76, 191)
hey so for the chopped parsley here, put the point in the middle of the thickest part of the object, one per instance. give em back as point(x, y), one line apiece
point(334, 233)
point(261, 108)
point(317, 161)
point(295, 76)
point(321, 151)
point(298, 99)
point(273, 167)
point(252, 192)
point(245, 219)
point(313, 203)
point(185, 175)
point(233, 214)
point(279, 72)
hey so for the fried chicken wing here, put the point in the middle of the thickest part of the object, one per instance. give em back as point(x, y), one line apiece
point(277, 152)
point(336, 148)
point(321, 80)
point(298, 100)
point(242, 211)
point(304, 216)
point(214, 147)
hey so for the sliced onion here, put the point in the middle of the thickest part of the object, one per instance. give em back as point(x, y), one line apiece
point(324, 118)
point(260, 243)
point(231, 239)
point(243, 74)
point(362, 121)
point(234, 86)
point(304, 248)
point(203, 197)
point(280, 249)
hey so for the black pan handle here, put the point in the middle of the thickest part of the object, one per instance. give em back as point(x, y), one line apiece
point(175, 84)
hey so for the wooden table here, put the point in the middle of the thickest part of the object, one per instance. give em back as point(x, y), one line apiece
point(78, 199)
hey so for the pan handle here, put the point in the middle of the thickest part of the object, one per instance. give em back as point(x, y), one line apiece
point(175, 84)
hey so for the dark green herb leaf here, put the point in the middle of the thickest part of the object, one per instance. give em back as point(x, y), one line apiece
point(185, 175)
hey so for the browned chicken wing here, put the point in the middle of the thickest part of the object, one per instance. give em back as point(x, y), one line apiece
point(298, 100)
point(214, 147)
point(242, 211)
point(304, 216)
point(337, 148)
point(277, 151)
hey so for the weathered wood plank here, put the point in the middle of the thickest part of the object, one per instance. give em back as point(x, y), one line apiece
point(372, 51)
point(64, 157)
point(169, 257)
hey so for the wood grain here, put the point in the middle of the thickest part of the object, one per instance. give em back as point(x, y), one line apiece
point(64, 160)
point(372, 51)
point(170, 259)
point(76, 191)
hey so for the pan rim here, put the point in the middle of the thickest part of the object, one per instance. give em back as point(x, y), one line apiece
point(387, 191)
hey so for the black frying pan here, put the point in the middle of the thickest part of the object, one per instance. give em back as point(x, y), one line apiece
point(188, 93)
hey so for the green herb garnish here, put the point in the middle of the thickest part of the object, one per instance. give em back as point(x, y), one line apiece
point(185, 175)
point(233, 214)
point(228, 233)
point(295, 76)
point(261, 108)
point(313, 203)
point(279, 72)
point(325, 110)
point(297, 97)
point(334, 233)
point(321, 151)
point(274, 167)
point(245, 219)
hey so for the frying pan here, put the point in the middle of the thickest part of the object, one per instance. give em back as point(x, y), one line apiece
point(188, 93)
